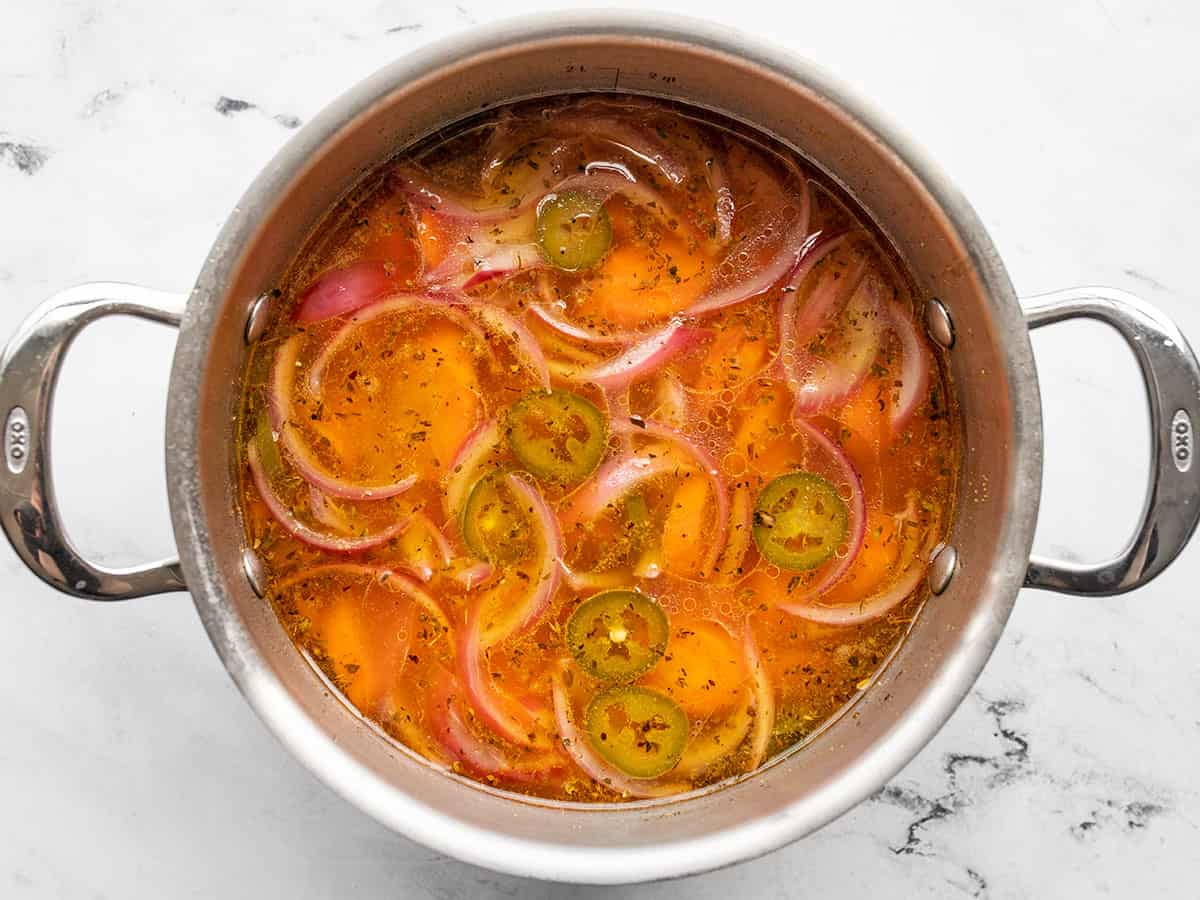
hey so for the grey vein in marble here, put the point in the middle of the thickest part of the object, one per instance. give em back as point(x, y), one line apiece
point(229, 106)
point(25, 157)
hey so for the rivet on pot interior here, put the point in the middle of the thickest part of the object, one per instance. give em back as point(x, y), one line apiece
point(255, 574)
point(938, 322)
point(256, 319)
point(942, 568)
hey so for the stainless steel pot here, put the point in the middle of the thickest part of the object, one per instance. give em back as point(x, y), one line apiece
point(975, 312)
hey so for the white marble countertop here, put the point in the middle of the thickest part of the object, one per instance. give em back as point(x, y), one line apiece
point(130, 766)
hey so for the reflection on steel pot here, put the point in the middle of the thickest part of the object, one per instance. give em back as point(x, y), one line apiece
point(931, 226)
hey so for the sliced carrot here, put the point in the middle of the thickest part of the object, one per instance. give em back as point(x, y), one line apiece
point(363, 631)
point(432, 238)
point(558, 347)
point(733, 560)
point(762, 591)
point(738, 350)
point(866, 431)
point(703, 669)
point(875, 564)
point(399, 251)
point(644, 279)
point(506, 601)
point(399, 399)
point(525, 685)
point(684, 536)
point(792, 649)
point(763, 433)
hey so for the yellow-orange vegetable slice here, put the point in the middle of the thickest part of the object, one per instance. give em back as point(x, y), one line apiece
point(687, 529)
point(703, 669)
point(394, 395)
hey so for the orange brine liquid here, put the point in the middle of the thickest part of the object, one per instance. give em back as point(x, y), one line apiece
point(595, 451)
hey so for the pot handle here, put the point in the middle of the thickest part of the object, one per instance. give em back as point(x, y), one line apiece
point(28, 376)
point(1172, 379)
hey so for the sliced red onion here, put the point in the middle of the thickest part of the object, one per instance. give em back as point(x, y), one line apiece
point(627, 472)
point(340, 291)
point(549, 316)
point(642, 359)
point(550, 313)
point(590, 582)
point(323, 510)
point(546, 580)
point(601, 184)
point(456, 738)
point(421, 571)
point(444, 550)
point(389, 578)
point(299, 576)
point(444, 305)
point(857, 507)
point(479, 220)
point(447, 724)
point(725, 209)
point(500, 261)
point(617, 403)
point(869, 608)
point(598, 182)
point(794, 251)
point(914, 374)
point(672, 401)
point(613, 481)
point(817, 383)
point(637, 142)
point(460, 476)
point(507, 719)
point(448, 205)
point(607, 165)
point(525, 345)
point(475, 574)
point(580, 750)
point(710, 468)
point(491, 261)
point(764, 702)
point(741, 524)
point(283, 386)
point(302, 532)
point(437, 558)
point(669, 435)
point(283, 381)
point(310, 470)
point(642, 144)
point(397, 581)
point(824, 305)
point(487, 261)
point(408, 587)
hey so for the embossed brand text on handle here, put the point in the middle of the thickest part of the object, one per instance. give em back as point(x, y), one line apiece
point(16, 440)
point(1182, 440)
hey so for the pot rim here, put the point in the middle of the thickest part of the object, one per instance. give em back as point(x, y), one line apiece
point(490, 848)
